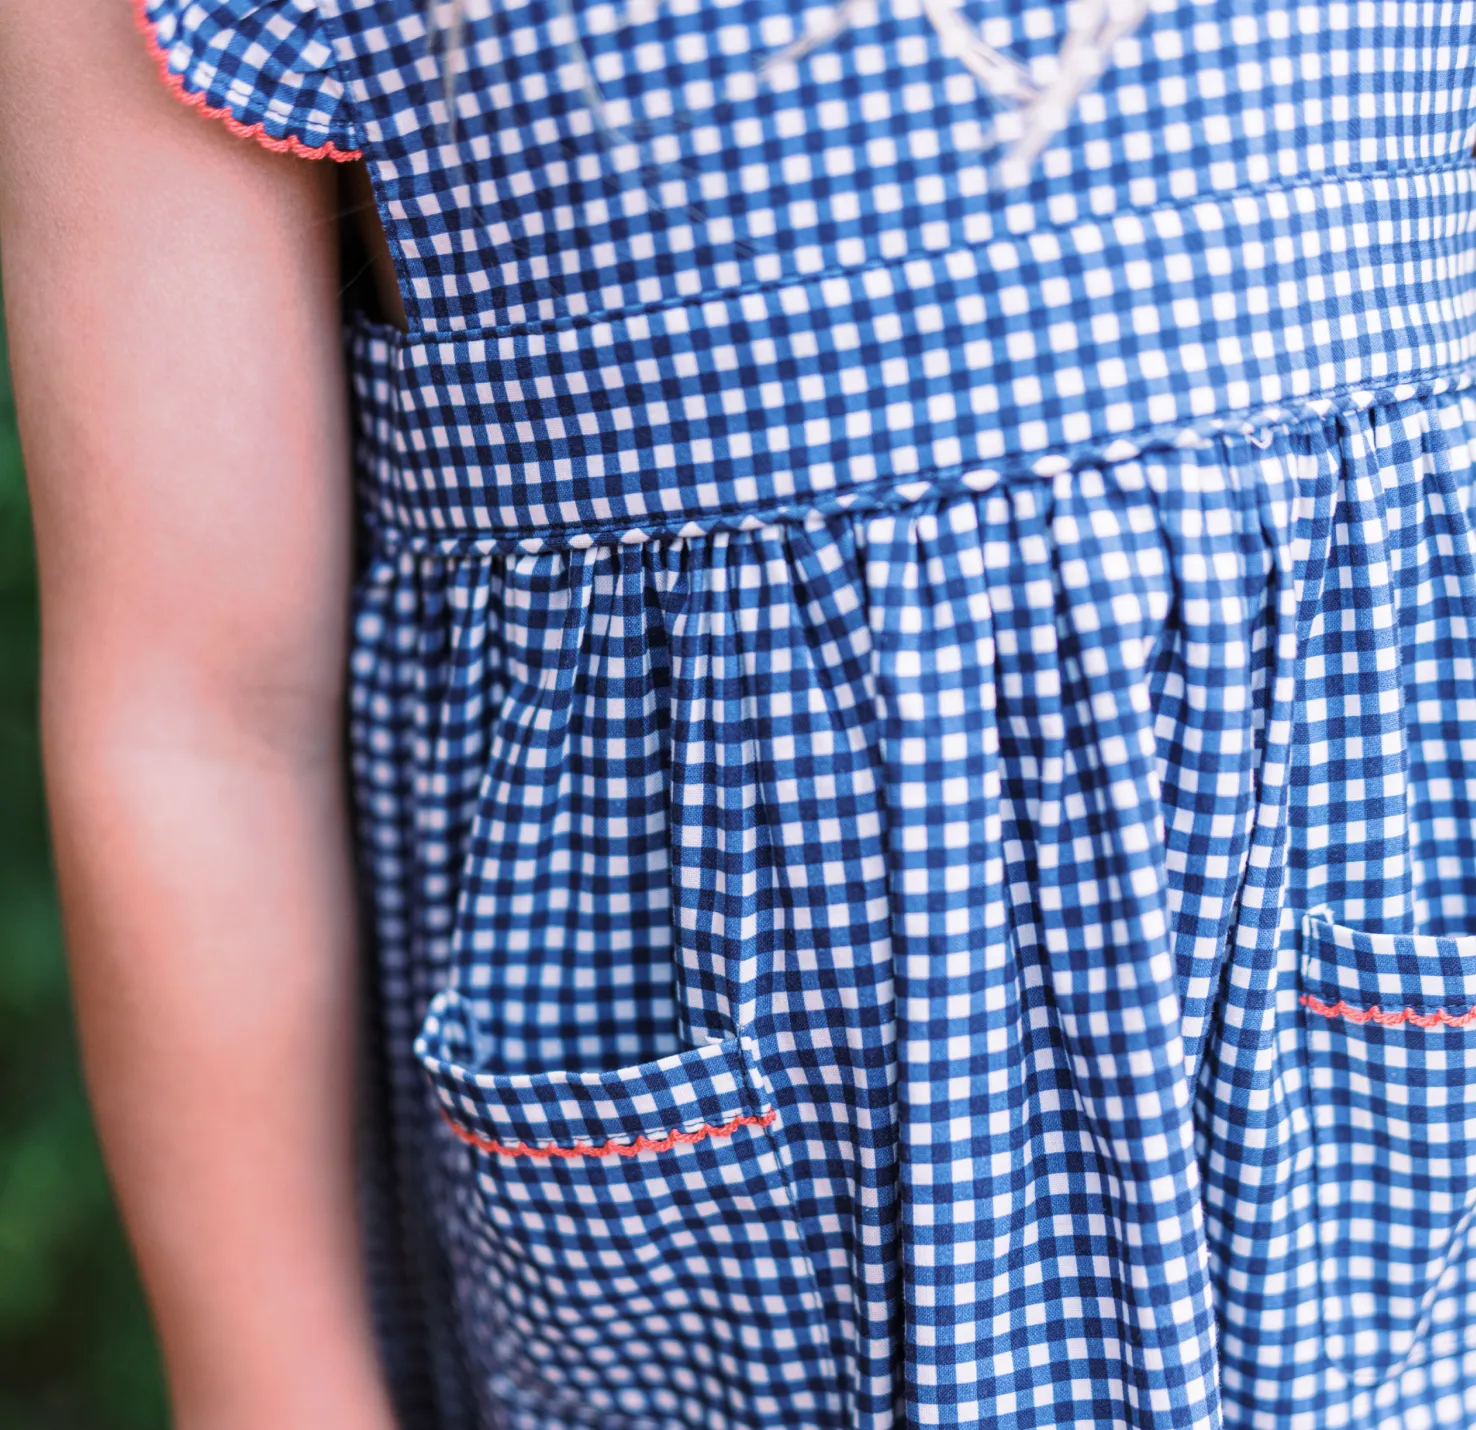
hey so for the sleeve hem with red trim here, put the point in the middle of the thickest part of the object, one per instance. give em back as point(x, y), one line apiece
point(264, 70)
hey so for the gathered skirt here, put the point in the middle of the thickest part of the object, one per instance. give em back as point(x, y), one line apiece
point(1004, 954)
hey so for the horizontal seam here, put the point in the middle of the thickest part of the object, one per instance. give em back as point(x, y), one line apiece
point(609, 1149)
point(1438, 1019)
point(942, 483)
point(196, 100)
point(653, 307)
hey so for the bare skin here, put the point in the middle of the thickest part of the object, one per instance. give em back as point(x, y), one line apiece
point(171, 293)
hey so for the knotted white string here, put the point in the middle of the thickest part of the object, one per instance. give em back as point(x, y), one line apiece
point(447, 39)
point(1094, 28)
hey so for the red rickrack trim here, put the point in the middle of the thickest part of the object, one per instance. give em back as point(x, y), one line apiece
point(256, 132)
point(608, 1149)
point(1438, 1019)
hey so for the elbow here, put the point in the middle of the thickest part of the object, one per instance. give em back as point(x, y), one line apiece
point(281, 714)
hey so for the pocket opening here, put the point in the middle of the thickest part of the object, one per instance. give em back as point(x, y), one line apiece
point(620, 1206)
point(1382, 1115)
point(609, 1149)
point(686, 1097)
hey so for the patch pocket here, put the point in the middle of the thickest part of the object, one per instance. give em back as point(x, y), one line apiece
point(1391, 1048)
point(626, 1242)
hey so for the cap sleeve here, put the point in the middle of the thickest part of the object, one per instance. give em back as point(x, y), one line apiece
point(264, 67)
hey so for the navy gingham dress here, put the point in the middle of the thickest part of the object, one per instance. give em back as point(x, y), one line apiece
point(914, 733)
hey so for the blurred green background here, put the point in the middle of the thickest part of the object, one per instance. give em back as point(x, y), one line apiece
point(76, 1351)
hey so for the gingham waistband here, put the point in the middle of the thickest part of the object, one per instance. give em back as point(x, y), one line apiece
point(1022, 351)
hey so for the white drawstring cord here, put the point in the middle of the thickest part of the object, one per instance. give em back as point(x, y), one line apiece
point(998, 74)
point(1094, 28)
point(448, 40)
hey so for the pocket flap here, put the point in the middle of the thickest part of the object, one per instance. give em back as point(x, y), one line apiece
point(689, 1096)
point(1390, 980)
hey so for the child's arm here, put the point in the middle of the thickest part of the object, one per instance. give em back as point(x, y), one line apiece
point(171, 295)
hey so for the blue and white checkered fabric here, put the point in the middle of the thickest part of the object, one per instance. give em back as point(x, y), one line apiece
point(914, 737)
point(269, 67)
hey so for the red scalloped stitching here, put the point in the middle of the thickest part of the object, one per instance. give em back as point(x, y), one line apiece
point(1438, 1019)
point(256, 132)
point(607, 1149)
